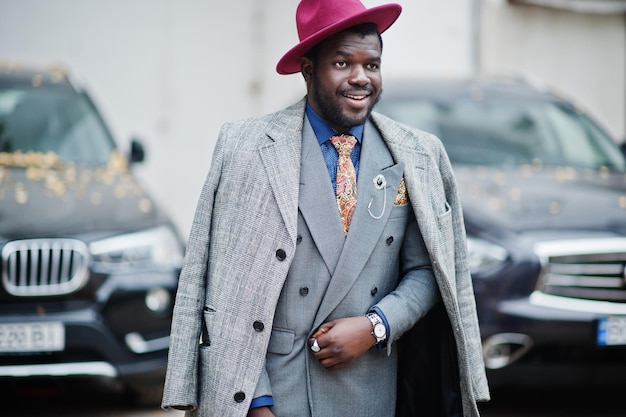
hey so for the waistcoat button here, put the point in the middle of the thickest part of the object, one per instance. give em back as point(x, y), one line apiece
point(281, 254)
point(304, 291)
point(258, 326)
point(240, 396)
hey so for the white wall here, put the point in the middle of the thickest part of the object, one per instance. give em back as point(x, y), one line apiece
point(171, 72)
point(581, 55)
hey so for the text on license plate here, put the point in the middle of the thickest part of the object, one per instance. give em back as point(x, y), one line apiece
point(32, 337)
point(612, 331)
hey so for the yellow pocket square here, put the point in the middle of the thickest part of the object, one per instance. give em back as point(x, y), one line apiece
point(402, 197)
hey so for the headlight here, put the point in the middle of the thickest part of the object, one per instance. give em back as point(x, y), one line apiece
point(158, 247)
point(483, 256)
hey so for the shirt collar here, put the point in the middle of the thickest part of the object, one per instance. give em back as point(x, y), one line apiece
point(323, 131)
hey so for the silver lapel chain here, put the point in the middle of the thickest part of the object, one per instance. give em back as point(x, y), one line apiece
point(379, 183)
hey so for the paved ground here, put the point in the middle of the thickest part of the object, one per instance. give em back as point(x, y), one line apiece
point(89, 400)
point(556, 403)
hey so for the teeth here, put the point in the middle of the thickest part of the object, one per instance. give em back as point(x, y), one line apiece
point(356, 97)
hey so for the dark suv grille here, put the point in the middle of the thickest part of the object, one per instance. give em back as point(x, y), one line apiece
point(44, 267)
point(591, 269)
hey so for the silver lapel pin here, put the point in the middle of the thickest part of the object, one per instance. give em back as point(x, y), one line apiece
point(379, 183)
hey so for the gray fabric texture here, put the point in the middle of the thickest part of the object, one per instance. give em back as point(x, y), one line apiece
point(244, 250)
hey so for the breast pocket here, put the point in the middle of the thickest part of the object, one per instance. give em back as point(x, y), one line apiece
point(444, 223)
point(401, 210)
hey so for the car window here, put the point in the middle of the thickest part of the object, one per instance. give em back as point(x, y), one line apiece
point(56, 120)
point(506, 131)
point(580, 139)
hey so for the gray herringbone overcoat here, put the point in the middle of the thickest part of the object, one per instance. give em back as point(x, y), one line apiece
point(238, 258)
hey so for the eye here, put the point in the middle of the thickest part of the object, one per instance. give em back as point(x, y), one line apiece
point(341, 64)
point(373, 67)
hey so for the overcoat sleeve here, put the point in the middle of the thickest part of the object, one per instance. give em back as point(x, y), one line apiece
point(181, 390)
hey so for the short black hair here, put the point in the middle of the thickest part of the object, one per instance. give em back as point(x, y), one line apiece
point(363, 29)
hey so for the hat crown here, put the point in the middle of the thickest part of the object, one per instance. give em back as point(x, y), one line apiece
point(314, 15)
point(317, 20)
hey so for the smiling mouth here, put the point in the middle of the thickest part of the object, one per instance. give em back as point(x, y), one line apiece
point(356, 96)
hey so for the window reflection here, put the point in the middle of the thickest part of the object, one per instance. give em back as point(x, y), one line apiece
point(502, 132)
point(47, 120)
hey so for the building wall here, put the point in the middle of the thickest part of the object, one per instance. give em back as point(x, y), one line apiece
point(173, 71)
point(581, 55)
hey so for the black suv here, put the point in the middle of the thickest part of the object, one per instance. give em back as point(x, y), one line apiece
point(544, 194)
point(89, 263)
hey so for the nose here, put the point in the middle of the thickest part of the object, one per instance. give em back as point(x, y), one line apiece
point(358, 76)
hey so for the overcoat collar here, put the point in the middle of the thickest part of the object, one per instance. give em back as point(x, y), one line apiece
point(281, 158)
point(422, 177)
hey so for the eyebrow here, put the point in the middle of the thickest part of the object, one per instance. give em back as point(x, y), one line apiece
point(345, 54)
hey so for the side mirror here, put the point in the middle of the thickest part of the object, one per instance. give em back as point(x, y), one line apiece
point(137, 152)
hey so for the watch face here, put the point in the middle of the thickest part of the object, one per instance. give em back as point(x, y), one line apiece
point(379, 330)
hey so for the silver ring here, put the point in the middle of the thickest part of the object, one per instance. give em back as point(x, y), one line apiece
point(314, 346)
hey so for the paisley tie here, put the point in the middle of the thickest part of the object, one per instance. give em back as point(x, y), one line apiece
point(346, 178)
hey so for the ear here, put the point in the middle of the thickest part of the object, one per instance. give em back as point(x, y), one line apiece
point(306, 68)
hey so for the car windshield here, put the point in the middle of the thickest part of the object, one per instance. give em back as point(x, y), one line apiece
point(54, 121)
point(507, 131)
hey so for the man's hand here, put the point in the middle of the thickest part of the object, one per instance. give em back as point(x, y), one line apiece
point(260, 412)
point(342, 341)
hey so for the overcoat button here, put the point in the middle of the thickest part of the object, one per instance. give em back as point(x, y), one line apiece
point(258, 326)
point(374, 291)
point(240, 396)
point(390, 240)
point(281, 254)
point(304, 291)
point(298, 239)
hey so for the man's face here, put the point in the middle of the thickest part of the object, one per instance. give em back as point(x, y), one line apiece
point(344, 83)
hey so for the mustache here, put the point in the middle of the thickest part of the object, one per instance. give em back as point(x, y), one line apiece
point(354, 92)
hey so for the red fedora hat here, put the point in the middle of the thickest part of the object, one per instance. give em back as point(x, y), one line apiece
point(317, 20)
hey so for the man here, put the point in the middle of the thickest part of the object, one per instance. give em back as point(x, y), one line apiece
point(327, 246)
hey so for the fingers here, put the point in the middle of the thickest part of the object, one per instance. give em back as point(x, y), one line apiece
point(324, 328)
point(329, 355)
point(329, 359)
point(314, 342)
point(322, 353)
point(340, 342)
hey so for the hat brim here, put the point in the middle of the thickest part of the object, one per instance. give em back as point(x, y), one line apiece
point(383, 16)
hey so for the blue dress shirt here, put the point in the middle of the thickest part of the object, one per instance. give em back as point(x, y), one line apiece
point(323, 133)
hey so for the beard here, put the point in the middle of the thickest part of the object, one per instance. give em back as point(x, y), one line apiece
point(331, 109)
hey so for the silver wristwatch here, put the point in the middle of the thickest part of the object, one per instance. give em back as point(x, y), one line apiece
point(378, 327)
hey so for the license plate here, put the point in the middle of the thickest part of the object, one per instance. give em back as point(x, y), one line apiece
point(612, 331)
point(32, 337)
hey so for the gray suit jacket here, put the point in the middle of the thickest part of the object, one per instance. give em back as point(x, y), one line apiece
point(242, 246)
point(332, 276)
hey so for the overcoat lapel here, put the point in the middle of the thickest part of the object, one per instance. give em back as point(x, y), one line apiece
point(365, 228)
point(419, 176)
point(281, 159)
